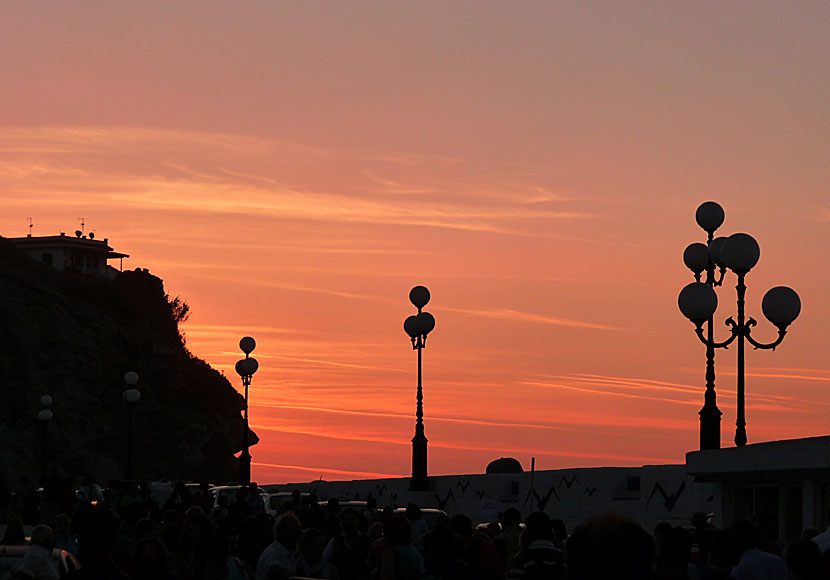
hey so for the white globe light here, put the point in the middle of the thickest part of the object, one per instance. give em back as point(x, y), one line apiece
point(247, 345)
point(781, 305)
point(132, 396)
point(426, 322)
point(131, 378)
point(250, 365)
point(46, 400)
point(697, 302)
point(419, 296)
point(410, 326)
point(45, 415)
point(709, 216)
point(696, 257)
point(715, 248)
point(740, 252)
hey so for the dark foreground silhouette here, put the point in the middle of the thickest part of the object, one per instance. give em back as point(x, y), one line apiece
point(164, 531)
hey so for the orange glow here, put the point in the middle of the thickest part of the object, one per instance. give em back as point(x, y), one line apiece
point(292, 174)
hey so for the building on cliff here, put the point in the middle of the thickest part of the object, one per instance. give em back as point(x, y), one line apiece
point(82, 253)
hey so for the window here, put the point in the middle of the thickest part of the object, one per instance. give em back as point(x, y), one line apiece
point(793, 512)
point(761, 505)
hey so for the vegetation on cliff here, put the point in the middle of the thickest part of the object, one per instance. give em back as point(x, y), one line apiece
point(74, 337)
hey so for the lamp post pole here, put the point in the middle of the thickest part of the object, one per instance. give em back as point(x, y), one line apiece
point(742, 329)
point(44, 416)
point(698, 302)
point(709, 217)
point(246, 368)
point(417, 327)
point(131, 396)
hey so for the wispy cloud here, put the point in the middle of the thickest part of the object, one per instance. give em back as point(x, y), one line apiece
point(181, 171)
point(317, 471)
point(788, 376)
point(608, 393)
point(322, 362)
point(393, 415)
point(518, 316)
point(650, 389)
point(231, 330)
point(286, 286)
point(566, 423)
point(497, 448)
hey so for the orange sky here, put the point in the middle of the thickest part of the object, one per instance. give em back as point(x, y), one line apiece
point(293, 169)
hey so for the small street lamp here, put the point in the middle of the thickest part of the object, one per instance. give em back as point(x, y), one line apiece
point(44, 416)
point(417, 327)
point(131, 396)
point(246, 368)
point(698, 302)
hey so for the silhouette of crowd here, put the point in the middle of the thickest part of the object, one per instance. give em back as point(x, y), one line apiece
point(167, 531)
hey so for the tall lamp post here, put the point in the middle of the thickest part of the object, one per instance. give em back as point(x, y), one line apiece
point(131, 396)
point(698, 302)
point(44, 416)
point(246, 368)
point(417, 327)
point(709, 217)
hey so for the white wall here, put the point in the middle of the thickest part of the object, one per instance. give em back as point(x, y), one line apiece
point(665, 493)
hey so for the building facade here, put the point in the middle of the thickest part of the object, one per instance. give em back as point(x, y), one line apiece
point(783, 485)
point(81, 253)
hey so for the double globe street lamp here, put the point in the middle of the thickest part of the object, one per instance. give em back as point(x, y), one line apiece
point(698, 302)
point(246, 368)
point(45, 415)
point(418, 326)
point(131, 396)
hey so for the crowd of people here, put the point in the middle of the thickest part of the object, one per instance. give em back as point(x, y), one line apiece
point(165, 531)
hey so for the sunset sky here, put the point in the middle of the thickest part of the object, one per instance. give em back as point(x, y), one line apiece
point(292, 169)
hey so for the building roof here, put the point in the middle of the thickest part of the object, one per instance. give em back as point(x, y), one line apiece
point(87, 244)
point(770, 460)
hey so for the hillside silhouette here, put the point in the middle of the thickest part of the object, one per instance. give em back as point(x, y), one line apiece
point(74, 337)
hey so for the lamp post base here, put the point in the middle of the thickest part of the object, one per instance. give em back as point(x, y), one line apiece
point(709, 427)
point(419, 481)
point(245, 467)
point(740, 436)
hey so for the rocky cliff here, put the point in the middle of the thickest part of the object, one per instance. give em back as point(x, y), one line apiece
point(74, 337)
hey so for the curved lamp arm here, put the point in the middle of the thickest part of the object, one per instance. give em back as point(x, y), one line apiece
point(725, 344)
point(759, 345)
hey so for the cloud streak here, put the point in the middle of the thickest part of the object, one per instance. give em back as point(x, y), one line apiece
point(325, 470)
point(563, 424)
point(518, 316)
point(657, 390)
point(176, 183)
point(496, 448)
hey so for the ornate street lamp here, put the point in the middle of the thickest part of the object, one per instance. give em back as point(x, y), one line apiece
point(417, 327)
point(131, 396)
point(246, 368)
point(709, 217)
point(698, 302)
point(45, 415)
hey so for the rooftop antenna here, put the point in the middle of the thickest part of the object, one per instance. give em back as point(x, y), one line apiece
point(30, 227)
point(83, 223)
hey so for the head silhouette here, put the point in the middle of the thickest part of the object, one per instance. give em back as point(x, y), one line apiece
point(609, 548)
